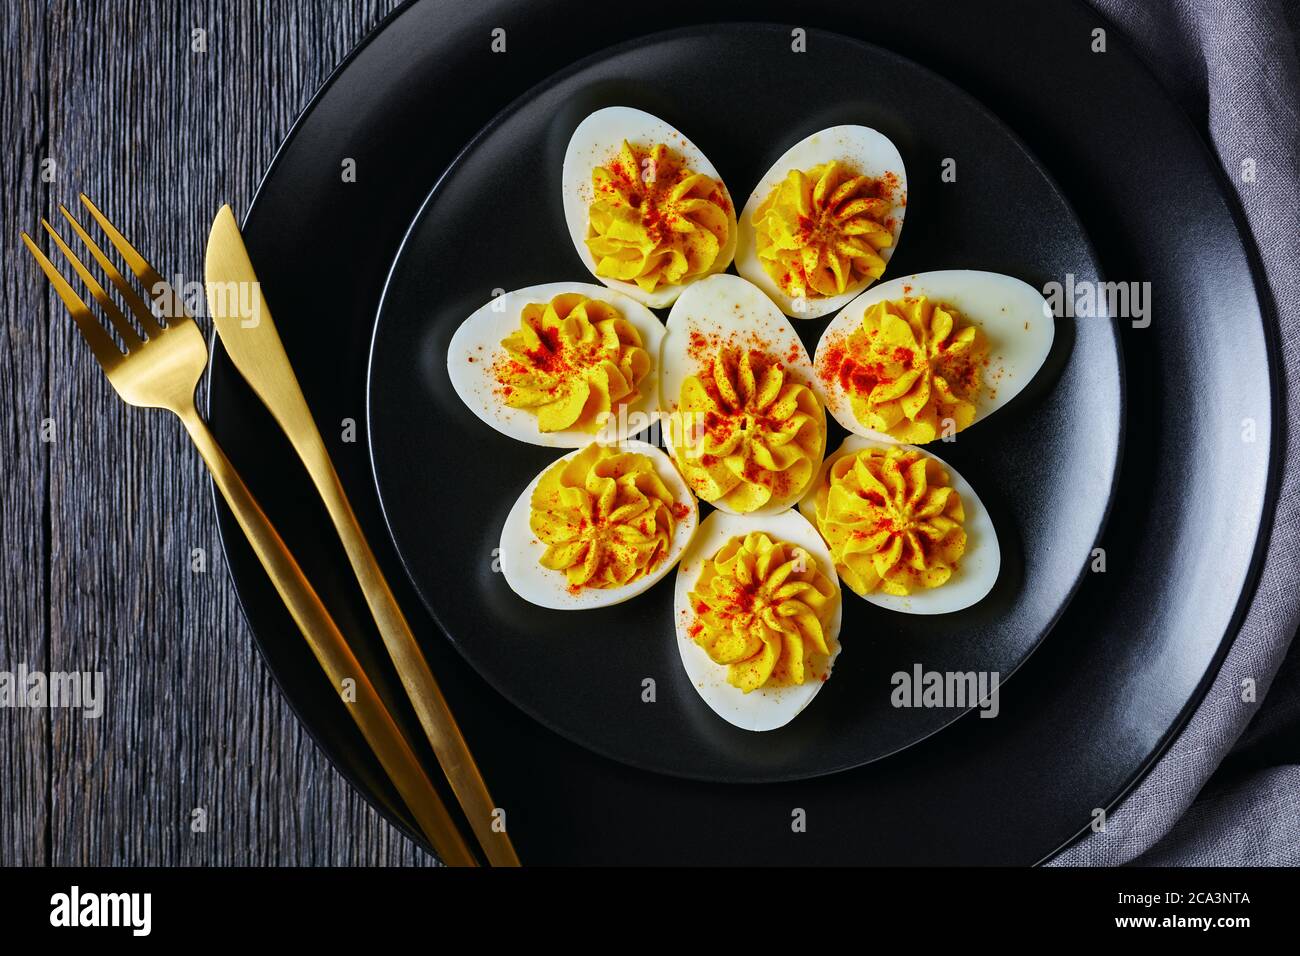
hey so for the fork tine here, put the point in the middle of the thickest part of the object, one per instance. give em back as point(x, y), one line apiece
point(138, 264)
point(105, 349)
point(137, 305)
point(130, 337)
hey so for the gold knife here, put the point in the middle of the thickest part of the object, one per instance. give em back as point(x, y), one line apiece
point(243, 321)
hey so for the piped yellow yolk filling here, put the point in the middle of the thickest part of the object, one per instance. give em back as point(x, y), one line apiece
point(749, 434)
point(764, 610)
point(820, 232)
point(653, 221)
point(891, 520)
point(572, 361)
point(913, 369)
point(605, 516)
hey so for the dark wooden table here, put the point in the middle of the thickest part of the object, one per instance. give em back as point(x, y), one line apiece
point(100, 525)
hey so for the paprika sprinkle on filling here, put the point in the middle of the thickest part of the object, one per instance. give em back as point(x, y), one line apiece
point(572, 361)
point(654, 221)
point(820, 232)
point(751, 435)
point(605, 516)
point(912, 370)
point(892, 520)
point(763, 609)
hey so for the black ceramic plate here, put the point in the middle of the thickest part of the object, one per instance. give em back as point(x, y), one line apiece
point(1123, 666)
point(1044, 466)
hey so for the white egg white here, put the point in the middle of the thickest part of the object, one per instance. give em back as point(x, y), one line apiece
point(728, 310)
point(865, 150)
point(595, 142)
point(476, 345)
point(977, 570)
point(521, 551)
point(765, 708)
point(1014, 316)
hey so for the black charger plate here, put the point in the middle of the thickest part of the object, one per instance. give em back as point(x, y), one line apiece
point(446, 481)
point(1085, 715)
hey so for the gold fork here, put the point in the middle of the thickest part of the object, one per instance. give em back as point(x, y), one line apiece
point(161, 369)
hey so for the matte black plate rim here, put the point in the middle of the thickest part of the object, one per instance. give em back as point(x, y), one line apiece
point(1277, 431)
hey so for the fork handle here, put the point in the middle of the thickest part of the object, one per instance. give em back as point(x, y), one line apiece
point(332, 652)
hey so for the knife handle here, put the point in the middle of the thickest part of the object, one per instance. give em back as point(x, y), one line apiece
point(426, 696)
point(332, 652)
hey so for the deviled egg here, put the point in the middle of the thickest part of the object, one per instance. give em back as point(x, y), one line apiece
point(599, 526)
point(925, 356)
point(758, 612)
point(905, 530)
point(745, 425)
point(559, 364)
point(647, 211)
point(821, 225)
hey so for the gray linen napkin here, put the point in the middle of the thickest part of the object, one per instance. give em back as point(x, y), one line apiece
point(1227, 792)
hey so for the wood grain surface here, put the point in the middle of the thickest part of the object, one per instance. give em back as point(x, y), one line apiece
point(100, 525)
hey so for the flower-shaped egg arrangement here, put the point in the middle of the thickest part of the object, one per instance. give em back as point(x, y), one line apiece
point(575, 365)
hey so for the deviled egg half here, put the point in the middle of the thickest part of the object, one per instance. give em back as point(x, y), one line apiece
point(599, 526)
point(647, 211)
point(758, 612)
point(925, 356)
point(821, 225)
point(905, 530)
point(559, 364)
point(745, 425)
